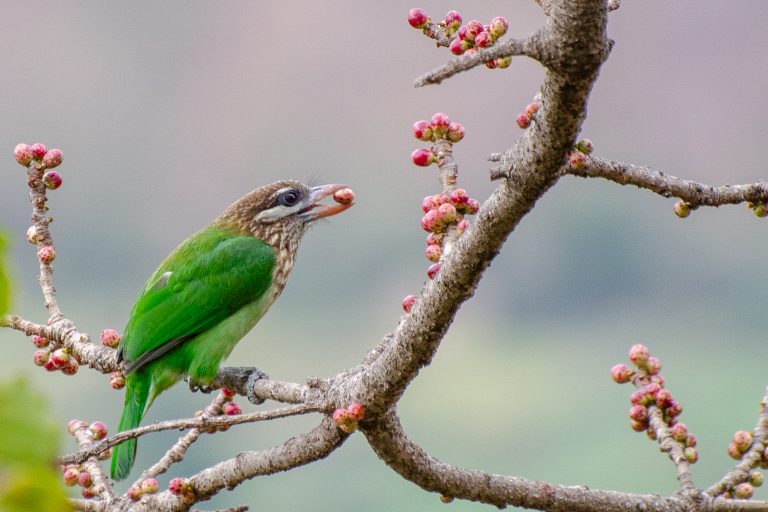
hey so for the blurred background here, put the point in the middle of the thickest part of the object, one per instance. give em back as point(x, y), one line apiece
point(167, 112)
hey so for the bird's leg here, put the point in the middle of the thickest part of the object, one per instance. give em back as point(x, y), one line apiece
point(241, 380)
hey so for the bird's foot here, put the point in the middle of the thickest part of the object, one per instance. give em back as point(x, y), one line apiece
point(241, 380)
point(195, 386)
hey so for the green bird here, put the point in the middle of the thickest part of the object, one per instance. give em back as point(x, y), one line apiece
point(208, 293)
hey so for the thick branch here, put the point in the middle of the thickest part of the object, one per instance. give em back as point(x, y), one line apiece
point(410, 461)
point(694, 193)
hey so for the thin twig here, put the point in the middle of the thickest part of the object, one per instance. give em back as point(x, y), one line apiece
point(101, 485)
point(528, 47)
point(188, 423)
point(752, 458)
point(692, 192)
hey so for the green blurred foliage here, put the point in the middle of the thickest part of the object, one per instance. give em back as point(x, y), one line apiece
point(29, 442)
point(5, 280)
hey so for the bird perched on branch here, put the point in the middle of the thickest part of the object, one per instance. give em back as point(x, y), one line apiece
point(209, 292)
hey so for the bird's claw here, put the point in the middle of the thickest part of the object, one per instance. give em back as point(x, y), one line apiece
point(242, 380)
point(195, 386)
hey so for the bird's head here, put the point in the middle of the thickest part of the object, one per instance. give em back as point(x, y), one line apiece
point(280, 213)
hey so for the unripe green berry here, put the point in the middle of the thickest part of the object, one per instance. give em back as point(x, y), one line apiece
point(756, 478)
point(584, 146)
point(691, 455)
point(149, 486)
point(760, 210)
point(503, 62)
point(682, 209)
point(134, 492)
point(743, 440)
point(498, 26)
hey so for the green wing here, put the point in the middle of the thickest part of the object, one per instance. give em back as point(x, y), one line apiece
point(205, 280)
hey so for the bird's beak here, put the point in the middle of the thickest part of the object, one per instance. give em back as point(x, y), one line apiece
point(315, 210)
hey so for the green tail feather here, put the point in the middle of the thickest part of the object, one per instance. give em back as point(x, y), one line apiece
point(136, 394)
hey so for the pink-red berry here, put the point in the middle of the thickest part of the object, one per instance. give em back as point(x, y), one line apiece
point(110, 338)
point(455, 132)
point(232, 409)
point(531, 109)
point(23, 154)
point(432, 222)
point(462, 226)
point(652, 366)
point(639, 354)
point(417, 18)
point(664, 398)
point(408, 303)
point(40, 341)
point(356, 411)
point(71, 367)
point(743, 491)
point(458, 46)
point(98, 430)
point(38, 151)
point(40, 357)
point(679, 432)
point(621, 373)
point(734, 451)
point(447, 213)
point(474, 28)
point(422, 130)
point(453, 20)
point(638, 413)
point(84, 479)
point(228, 393)
point(498, 26)
point(52, 158)
point(344, 196)
point(117, 380)
point(423, 157)
point(473, 206)
point(46, 254)
point(60, 357)
point(435, 239)
point(577, 160)
point(440, 123)
point(523, 120)
point(433, 270)
point(691, 455)
point(71, 476)
point(433, 252)
point(52, 180)
point(483, 40)
point(75, 425)
point(176, 486)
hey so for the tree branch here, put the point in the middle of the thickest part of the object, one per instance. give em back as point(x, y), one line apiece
point(694, 193)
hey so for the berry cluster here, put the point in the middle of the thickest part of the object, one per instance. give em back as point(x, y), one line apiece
point(53, 359)
point(465, 39)
point(742, 443)
point(525, 118)
point(444, 212)
point(139, 489)
point(577, 158)
point(40, 161)
point(439, 127)
point(652, 393)
point(77, 474)
point(348, 418)
point(229, 408)
point(42, 158)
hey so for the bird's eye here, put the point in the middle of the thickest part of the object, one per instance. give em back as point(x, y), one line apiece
point(289, 198)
